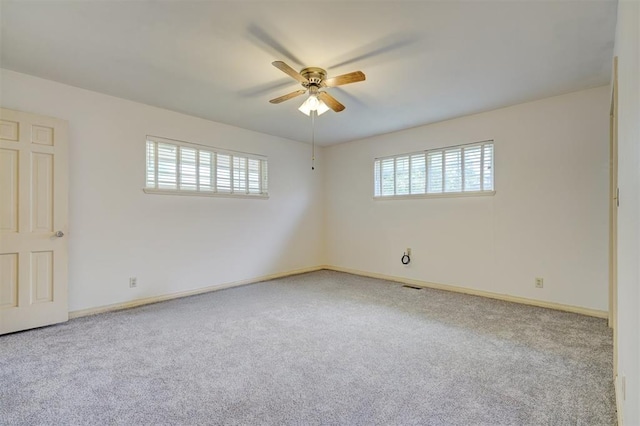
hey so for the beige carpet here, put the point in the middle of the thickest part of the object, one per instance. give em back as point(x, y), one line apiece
point(320, 348)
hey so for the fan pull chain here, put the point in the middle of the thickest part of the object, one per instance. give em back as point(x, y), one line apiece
point(313, 137)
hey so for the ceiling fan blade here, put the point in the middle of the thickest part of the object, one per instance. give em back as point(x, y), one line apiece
point(352, 77)
point(287, 96)
point(269, 40)
point(266, 88)
point(330, 101)
point(385, 46)
point(290, 71)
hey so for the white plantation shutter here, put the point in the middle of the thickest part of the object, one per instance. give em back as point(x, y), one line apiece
point(418, 174)
point(465, 168)
point(388, 176)
point(240, 174)
point(253, 176)
point(487, 167)
point(151, 165)
point(182, 167)
point(223, 173)
point(188, 177)
point(402, 175)
point(377, 180)
point(453, 170)
point(205, 171)
point(473, 168)
point(265, 181)
point(167, 166)
point(434, 172)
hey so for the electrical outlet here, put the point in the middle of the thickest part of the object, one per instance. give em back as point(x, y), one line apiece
point(133, 282)
point(539, 283)
point(409, 252)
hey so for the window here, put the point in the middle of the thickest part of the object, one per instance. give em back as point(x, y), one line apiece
point(452, 170)
point(184, 168)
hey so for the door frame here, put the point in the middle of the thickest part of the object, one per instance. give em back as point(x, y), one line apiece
point(614, 202)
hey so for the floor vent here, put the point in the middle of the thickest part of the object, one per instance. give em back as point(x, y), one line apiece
point(412, 286)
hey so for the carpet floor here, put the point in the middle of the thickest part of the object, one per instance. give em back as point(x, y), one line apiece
point(320, 348)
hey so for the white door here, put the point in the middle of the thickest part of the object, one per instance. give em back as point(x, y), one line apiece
point(33, 221)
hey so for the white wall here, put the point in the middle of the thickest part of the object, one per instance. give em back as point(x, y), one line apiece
point(628, 51)
point(170, 243)
point(548, 218)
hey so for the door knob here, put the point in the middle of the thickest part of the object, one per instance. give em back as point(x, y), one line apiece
point(59, 234)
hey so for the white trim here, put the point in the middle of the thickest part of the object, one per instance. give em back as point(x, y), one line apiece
point(617, 384)
point(532, 302)
point(193, 192)
point(437, 195)
point(171, 296)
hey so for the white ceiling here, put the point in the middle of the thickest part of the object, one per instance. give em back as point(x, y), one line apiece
point(424, 61)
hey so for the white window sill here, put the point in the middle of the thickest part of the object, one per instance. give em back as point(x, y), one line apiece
point(205, 194)
point(438, 195)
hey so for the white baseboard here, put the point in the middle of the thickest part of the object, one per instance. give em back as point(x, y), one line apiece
point(505, 297)
point(498, 296)
point(617, 384)
point(164, 297)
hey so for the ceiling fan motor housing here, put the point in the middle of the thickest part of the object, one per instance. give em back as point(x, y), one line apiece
point(314, 75)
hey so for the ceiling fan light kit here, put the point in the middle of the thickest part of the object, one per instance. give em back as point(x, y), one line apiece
point(313, 104)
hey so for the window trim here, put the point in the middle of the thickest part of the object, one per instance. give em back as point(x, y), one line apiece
point(442, 194)
point(232, 193)
point(437, 195)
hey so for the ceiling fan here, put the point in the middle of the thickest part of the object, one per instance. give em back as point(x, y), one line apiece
point(314, 79)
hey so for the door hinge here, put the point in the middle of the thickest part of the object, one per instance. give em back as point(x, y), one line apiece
point(617, 197)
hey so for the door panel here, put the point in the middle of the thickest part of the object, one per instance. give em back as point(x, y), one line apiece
point(8, 280)
point(41, 192)
point(9, 190)
point(42, 135)
point(33, 207)
point(9, 130)
point(41, 277)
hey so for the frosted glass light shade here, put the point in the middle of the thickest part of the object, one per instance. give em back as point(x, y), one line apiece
point(313, 104)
